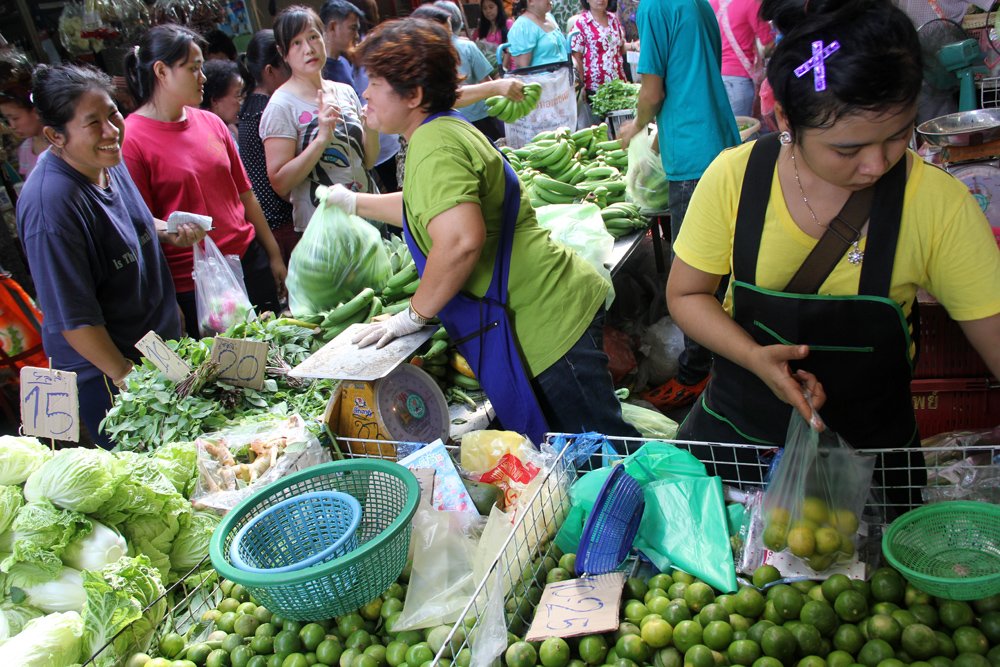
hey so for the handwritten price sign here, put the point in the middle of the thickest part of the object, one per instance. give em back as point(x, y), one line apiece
point(578, 607)
point(49, 404)
point(241, 362)
point(168, 361)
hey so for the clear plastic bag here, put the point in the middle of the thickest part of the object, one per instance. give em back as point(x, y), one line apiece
point(815, 501)
point(441, 581)
point(220, 294)
point(645, 180)
point(235, 463)
point(338, 256)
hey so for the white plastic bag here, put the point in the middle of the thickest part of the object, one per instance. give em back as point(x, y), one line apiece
point(556, 107)
point(662, 344)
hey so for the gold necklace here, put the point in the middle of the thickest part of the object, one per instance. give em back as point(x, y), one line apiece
point(855, 255)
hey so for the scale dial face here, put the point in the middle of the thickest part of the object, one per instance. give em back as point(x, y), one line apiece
point(411, 406)
point(983, 181)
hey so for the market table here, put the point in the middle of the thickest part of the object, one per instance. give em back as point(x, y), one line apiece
point(659, 224)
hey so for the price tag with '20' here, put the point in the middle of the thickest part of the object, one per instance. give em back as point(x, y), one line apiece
point(50, 406)
point(241, 362)
point(577, 607)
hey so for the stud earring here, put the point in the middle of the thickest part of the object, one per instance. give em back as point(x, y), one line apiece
point(785, 138)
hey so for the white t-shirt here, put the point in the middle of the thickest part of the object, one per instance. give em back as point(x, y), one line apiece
point(292, 117)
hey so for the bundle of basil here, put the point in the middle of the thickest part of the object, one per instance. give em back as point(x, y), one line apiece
point(615, 95)
point(154, 410)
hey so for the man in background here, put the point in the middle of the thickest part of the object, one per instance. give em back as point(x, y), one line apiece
point(680, 63)
point(341, 27)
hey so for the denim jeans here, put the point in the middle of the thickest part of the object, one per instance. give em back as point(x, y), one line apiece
point(576, 393)
point(739, 90)
point(96, 397)
point(695, 361)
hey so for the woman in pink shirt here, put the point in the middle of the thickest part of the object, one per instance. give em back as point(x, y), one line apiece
point(184, 159)
point(741, 27)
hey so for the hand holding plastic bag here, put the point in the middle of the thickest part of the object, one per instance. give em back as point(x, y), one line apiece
point(813, 505)
point(220, 295)
point(645, 180)
point(338, 256)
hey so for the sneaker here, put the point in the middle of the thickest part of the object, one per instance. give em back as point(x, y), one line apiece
point(673, 394)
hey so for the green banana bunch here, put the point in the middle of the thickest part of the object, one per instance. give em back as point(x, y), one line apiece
point(510, 111)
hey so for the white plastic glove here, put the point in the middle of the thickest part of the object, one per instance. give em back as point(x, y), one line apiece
point(344, 199)
point(384, 332)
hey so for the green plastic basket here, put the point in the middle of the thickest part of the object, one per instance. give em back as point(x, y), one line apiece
point(950, 549)
point(388, 495)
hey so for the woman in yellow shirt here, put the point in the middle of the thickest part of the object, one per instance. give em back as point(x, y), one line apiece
point(846, 78)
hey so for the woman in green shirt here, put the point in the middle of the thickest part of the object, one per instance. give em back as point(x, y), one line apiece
point(459, 197)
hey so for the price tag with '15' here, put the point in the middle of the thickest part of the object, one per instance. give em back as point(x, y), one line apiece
point(578, 607)
point(168, 361)
point(241, 362)
point(50, 407)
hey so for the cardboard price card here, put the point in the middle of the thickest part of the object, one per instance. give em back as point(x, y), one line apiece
point(168, 361)
point(578, 607)
point(241, 362)
point(50, 406)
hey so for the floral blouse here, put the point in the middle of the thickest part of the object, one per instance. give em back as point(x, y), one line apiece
point(601, 47)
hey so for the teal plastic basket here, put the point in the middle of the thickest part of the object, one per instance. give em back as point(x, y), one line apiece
point(297, 533)
point(949, 549)
point(387, 493)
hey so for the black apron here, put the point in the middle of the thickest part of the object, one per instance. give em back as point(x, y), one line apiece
point(481, 327)
point(859, 346)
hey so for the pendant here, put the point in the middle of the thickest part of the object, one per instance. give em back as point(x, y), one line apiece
point(855, 255)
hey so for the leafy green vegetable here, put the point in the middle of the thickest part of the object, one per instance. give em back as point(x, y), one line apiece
point(151, 412)
point(10, 502)
point(47, 641)
point(64, 593)
point(78, 479)
point(154, 534)
point(101, 547)
point(178, 462)
point(19, 457)
point(143, 490)
point(191, 544)
point(615, 95)
point(41, 534)
point(13, 617)
point(125, 593)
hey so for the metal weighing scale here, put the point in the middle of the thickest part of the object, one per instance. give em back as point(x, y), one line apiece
point(969, 148)
point(379, 397)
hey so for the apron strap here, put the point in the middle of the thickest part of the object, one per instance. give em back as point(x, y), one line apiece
point(754, 196)
point(883, 232)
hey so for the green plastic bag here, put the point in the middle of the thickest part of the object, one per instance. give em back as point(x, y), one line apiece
point(338, 256)
point(685, 523)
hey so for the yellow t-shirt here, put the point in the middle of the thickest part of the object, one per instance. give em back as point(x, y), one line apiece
point(553, 294)
point(945, 243)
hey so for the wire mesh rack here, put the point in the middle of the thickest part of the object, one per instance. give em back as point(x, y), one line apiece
point(506, 596)
point(184, 604)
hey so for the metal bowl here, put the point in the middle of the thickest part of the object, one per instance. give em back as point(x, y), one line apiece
point(965, 128)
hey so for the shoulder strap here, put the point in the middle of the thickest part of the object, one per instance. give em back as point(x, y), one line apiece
point(754, 196)
point(842, 231)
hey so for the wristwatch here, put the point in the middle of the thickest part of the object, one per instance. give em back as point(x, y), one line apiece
point(416, 317)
